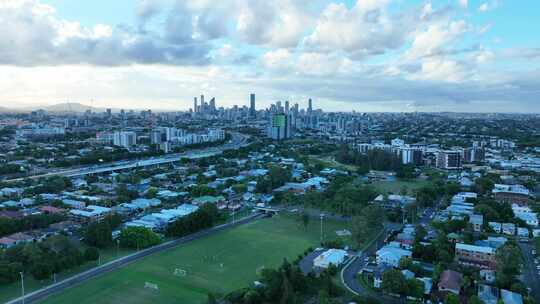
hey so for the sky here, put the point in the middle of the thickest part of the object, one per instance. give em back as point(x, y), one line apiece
point(364, 55)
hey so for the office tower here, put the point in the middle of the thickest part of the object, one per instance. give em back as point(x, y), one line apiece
point(310, 106)
point(287, 107)
point(280, 126)
point(109, 113)
point(195, 105)
point(252, 111)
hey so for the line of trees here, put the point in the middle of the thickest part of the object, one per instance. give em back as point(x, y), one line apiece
point(38, 221)
point(205, 217)
point(99, 234)
point(287, 285)
point(43, 259)
point(138, 237)
point(375, 159)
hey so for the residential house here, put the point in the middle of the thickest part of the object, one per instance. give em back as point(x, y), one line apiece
point(450, 281)
point(391, 255)
point(476, 220)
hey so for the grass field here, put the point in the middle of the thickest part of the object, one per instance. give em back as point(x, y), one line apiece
point(219, 263)
point(10, 291)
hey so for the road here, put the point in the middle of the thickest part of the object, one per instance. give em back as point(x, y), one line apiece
point(113, 265)
point(530, 272)
point(238, 140)
point(350, 270)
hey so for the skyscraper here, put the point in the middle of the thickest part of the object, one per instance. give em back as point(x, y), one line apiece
point(252, 111)
point(310, 106)
point(195, 110)
point(280, 127)
point(287, 106)
point(213, 104)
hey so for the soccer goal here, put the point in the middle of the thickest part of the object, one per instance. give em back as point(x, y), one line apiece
point(179, 272)
point(151, 286)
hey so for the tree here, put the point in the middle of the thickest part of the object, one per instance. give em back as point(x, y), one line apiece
point(360, 230)
point(91, 254)
point(451, 299)
point(211, 299)
point(474, 299)
point(393, 281)
point(509, 262)
point(415, 288)
point(138, 237)
point(98, 234)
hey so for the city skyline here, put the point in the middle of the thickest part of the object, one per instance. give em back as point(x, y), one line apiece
point(368, 56)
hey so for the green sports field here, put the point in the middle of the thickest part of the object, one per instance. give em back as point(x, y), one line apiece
point(219, 263)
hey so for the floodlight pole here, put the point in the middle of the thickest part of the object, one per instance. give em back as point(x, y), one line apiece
point(22, 285)
point(322, 217)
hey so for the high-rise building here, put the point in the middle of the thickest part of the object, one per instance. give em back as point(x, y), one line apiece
point(156, 137)
point(252, 111)
point(287, 107)
point(125, 139)
point(280, 126)
point(195, 109)
point(449, 159)
point(474, 155)
point(310, 106)
point(213, 104)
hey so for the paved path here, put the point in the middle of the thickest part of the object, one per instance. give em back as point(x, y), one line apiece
point(114, 265)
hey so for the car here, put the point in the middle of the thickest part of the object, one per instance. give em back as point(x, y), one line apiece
point(533, 251)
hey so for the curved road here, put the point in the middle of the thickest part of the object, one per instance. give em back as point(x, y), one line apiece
point(351, 269)
point(113, 265)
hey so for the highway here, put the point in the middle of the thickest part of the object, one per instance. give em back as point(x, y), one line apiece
point(114, 265)
point(237, 141)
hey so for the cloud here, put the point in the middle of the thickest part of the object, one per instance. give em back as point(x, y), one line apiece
point(364, 29)
point(463, 3)
point(488, 6)
point(33, 34)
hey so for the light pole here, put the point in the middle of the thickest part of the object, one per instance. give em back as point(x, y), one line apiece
point(22, 285)
point(117, 246)
point(322, 217)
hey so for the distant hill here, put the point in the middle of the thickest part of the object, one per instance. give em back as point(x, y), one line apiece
point(72, 107)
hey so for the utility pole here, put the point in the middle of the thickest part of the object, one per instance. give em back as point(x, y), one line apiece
point(22, 285)
point(117, 246)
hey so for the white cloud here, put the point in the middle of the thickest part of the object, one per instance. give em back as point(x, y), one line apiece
point(488, 6)
point(33, 34)
point(279, 59)
point(441, 69)
point(463, 3)
point(435, 38)
point(365, 29)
